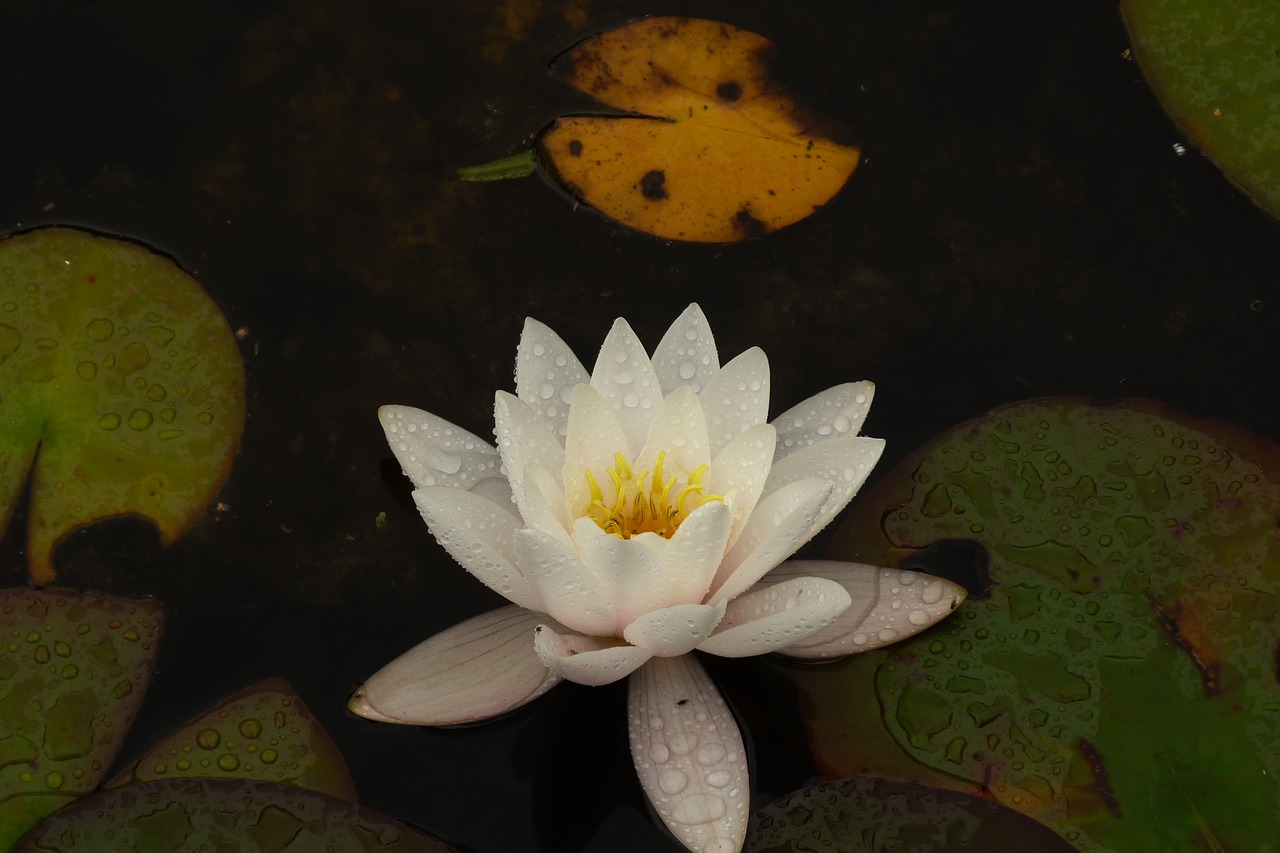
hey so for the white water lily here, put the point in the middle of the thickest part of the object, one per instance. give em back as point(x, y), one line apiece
point(631, 515)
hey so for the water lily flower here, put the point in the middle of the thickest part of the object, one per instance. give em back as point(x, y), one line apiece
point(632, 515)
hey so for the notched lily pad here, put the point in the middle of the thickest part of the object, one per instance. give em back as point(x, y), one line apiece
point(222, 814)
point(869, 815)
point(73, 670)
point(120, 369)
point(264, 732)
point(1119, 683)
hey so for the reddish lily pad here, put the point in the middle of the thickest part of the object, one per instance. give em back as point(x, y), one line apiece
point(222, 814)
point(1119, 680)
point(120, 369)
point(73, 671)
point(264, 732)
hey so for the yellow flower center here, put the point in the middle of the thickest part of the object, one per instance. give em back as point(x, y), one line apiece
point(645, 502)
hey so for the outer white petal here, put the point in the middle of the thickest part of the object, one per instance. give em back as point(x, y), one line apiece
point(524, 438)
point(780, 525)
point(624, 377)
point(546, 372)
point(686, 355)
point(690, 558)
point(888, 605)
point(768, 618)
point(740, 472)
point(843, 462)
point(674, 630)
point(477, 533)
point(595, 435)
point(834, 413)
point(568, 589)
point(434, 452)
point(477, 669)
point(736, 398)
point(629, 567)
point(688, 754)
point(587, 660)
point(679, 427)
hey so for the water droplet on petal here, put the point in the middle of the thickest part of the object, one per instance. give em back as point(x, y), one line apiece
point(709, 754)
point(682, 743)
point(672, 782)
point(659, 752)
point(698, 808)
point(918, 617)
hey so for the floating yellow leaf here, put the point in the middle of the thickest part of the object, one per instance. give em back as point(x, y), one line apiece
point(121, 370)
point(714, 152)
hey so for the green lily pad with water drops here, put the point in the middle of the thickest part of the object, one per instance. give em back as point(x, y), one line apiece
point(1119, 681)
point(1214, 65)
point(73, 670)
point(121, 388)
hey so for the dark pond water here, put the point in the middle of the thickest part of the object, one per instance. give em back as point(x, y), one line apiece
point(1021, 226)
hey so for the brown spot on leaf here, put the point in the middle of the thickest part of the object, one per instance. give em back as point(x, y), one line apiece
point(748, 225)
point(729, 90)
point(651, 185)
point(1101, 784)
point(1191, 635)
point(575, 147)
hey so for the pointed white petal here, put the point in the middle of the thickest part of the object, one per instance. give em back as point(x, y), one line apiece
point(834, 413)
point(888, 605)
point(688, 754)
point(769, 618)
point(624, 377)
point(477, 533)
point(690, 558)
point(546, 371)
point(542, 505)
point(628, 567)
point(679, 428)
point(736, 398)
point(740, 472)
point(595, 435)
point(676, 630)
point(568, 589)
point(477, 669)
point(587, 660)
point(434, 452)
point(843, 462)
point(686, 355)
point(778, 527)
point(524, 438)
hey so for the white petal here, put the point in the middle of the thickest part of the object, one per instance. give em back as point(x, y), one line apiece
point(736, 398)
point(542, 505)
point(768, 618)
point(625, 379)
point(690, 558)
point(834, 413)
point(843, 462)
point(673, 631)
point(477, 533)
point(688, 754)
point(679, 428)
point(587, 660)
point(594, 437)
point(568, 589)
point(740, 472)
point(888, 605)
point(546, 371)
point(686, 354)
point(434, 452)
point(629, 567)
point(477, 669)
point(524, 438)
point(779, 526)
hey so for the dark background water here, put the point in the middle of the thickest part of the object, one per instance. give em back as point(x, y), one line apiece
point(1021, 225)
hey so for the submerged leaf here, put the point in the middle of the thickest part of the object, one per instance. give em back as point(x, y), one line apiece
point(714, 151)
point(73, 670)
point(122, 371)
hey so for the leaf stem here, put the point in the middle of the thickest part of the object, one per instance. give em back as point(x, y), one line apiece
point(515, 166)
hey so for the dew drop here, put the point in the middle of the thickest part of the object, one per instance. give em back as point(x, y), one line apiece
point(719, 778)
point(918, 617)
point(659, 752)
point(208, 738)
point(250, 728)
point(228, 762)
point(672, 781)
point(687, 370)
point(932, 593)
point(698, 808)
point(710, 753)
point(682, 743)
point(887, 635)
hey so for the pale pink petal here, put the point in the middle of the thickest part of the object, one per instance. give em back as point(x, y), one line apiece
point(769, 618)
point(834, 413)
point(477, 533)
point(679, 428)
point(625, 379)
point(778, 527)
point(594, 437)
point(688, 753)
point(587, 660)
point(736, 398)
point(434, 452)
point(524, 438)
point(674, 630)
point(686, 355)
point(546, 372)
point(568, 589)
point(690, 558)
point(740, 472)
point(843, 462)
point(889, 605)
point(629, 567)
point(477, 669)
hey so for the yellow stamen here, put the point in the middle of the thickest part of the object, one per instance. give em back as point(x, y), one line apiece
point(645, 503)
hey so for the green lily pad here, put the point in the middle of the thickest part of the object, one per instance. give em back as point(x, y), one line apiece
point(868, 815)
point(73, 670)
point(264, 732)
point(222, 815)
point(1119, 681)
point(1214, 67)
point(122, 371)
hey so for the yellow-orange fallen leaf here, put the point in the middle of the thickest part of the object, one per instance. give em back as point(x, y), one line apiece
point(714, 152)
